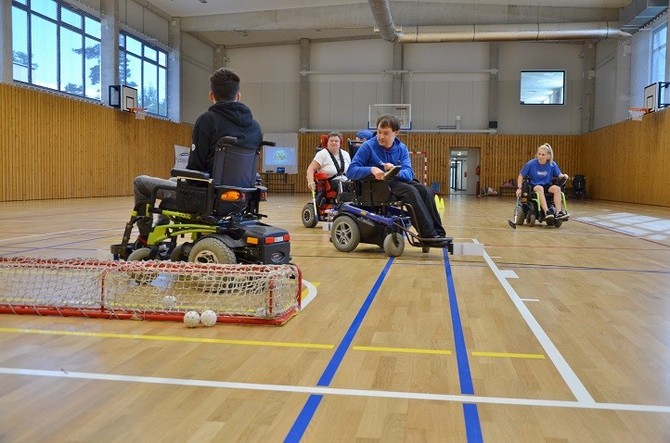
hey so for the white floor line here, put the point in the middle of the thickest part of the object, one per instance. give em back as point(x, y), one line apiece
point(320, 390)
point(569, 376)
point(530, 299)
point(311, 294)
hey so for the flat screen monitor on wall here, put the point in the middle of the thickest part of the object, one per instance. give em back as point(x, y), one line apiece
point(280, 159)
point(539, 87)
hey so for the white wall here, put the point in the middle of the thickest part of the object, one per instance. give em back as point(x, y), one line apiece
point(270, 84)
point(340, 98)
point(447, 81)
point(197, 60)
point(606, 76)
point(514, 118)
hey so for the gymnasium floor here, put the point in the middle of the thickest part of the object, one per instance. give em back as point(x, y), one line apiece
point(552, 335)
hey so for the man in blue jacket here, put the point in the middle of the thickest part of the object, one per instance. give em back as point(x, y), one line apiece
point(382, 153)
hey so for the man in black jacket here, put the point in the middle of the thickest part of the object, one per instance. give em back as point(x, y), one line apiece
point(226, 117)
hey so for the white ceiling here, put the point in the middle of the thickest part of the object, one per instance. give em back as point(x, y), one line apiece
point(254, 22)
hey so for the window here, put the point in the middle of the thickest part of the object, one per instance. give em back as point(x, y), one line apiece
point(658, 45)
point(57, 47)
point(542, 87)
point(144, 67)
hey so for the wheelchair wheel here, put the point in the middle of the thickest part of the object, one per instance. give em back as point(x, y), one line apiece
point(530, 220)
point(309, 217)
point(518, 215)
point(345, 234)
point(558, 223)
point(142, 278)
point(179, 254)
point(394, 244)
point(211, 250)
point(425, 249)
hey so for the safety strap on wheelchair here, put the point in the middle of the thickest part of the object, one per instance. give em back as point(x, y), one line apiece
point(339, 167)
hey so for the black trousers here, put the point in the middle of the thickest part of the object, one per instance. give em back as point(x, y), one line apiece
point(418, 195)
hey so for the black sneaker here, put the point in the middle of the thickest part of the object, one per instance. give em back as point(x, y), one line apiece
point(549, 215)
point(562, 215)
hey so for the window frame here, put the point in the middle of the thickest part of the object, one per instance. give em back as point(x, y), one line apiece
point(61, 26)
point(161, 109)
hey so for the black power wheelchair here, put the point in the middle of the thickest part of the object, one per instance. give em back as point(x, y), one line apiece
point(368, 213)
point(222, 222)
point(528, 207)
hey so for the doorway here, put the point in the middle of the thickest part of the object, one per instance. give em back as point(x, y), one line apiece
point(463, 177)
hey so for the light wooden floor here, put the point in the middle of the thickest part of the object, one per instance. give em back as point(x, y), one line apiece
point(553, 335)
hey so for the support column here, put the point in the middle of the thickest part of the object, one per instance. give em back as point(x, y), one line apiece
point(589, 94)
point(7, 61)
point(174, 71)
point(109, 47)
point(494, 55)
point(304, 84)
point(397, 82)
point(220, 58)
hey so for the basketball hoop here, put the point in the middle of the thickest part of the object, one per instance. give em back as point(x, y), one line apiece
point(637, 113)
point(140, 113)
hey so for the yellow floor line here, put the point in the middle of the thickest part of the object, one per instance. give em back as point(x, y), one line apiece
point(406, 350)
point(507, 355)
point(171, 338)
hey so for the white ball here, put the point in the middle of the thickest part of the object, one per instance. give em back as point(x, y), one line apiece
point(169, 301)
point(208, 317)
point(191, 319)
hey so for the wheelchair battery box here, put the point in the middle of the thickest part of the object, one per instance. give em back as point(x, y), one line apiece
point(193, 196)
point(271, 245)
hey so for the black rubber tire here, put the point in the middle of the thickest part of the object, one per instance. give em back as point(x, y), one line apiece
point(309, 218)
point(178, 253)
point(531, 220)
point(140, 254)
point(345, 234)
point(519, 216)
point(211, 250)
point(142, 278)
point(394, 244)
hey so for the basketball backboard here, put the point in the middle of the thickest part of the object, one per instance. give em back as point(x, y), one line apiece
point(402, 111)
point(657, 96)
point(123, 97)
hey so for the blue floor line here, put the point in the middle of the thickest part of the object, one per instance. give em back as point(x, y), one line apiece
point(305, 417)
point(473, 429)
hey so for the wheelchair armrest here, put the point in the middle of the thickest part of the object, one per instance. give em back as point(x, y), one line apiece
point(561, 182)
point(189, 173)
point(238, 188)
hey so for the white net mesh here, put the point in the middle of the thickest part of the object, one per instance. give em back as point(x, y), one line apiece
point(637, 113)
point(149, 289)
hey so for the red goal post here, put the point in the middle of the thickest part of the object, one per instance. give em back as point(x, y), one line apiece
point(152, 290)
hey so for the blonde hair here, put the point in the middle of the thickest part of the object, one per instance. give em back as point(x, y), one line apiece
point(546, 147)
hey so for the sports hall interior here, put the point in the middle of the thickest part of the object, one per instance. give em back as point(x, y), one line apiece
point(549, 335)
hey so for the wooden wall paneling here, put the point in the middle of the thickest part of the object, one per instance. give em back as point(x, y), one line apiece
point(629, 161)
point(57, 147)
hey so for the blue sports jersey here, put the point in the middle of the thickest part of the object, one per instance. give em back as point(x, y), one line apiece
point(540, 174)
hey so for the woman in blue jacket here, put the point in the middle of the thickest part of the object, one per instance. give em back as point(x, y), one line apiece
point(382, 153)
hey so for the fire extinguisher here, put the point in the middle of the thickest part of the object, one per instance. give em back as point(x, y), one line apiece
point(477, 173)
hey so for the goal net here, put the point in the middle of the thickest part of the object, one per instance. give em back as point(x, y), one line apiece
point(153, 290)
